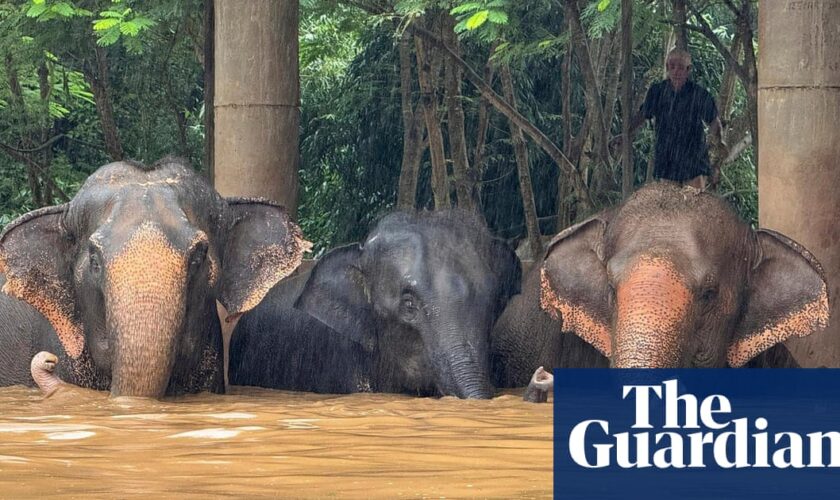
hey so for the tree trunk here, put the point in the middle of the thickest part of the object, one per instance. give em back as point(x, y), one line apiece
point(477, 165)
point(257, 100)
point(800, 145)
point(178, 115)
point(678, 20)
point(98, 78)
point(45, 130)
point(564, 205)
point(726, 96)
point(503, 107)
point(208, 62)
point(413, 144)
point(427, 78)
point(465, 183)
point(26, 131)
point(591, 90)
point(745, 20)
point(521, 152)
point(627, 171)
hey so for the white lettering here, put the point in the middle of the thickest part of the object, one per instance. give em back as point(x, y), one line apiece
point(793, 452)
point(741, 446)
point(642, 403)
point(815, 441)
point(577, 445)
point(671, 455)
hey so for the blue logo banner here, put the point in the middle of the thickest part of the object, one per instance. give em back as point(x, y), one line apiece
point(696, 433)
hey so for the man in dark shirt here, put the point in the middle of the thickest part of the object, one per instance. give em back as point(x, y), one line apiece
point(679, 107)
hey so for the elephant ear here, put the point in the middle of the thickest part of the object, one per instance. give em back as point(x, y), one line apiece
point(262, 247)
point(36, 255)
point(574, 285)
point(787, 297)
point(508, 269)
point(337, 295)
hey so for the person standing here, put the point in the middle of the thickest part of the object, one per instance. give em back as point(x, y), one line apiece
point(679, 108)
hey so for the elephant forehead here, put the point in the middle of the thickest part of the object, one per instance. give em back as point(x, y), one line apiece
point(654, 290)
point(119, 209)
point(148, 254)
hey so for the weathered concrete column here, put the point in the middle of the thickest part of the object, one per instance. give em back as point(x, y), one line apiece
point(799, 141)
point(257, 101)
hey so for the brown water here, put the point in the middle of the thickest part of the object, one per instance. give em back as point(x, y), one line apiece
point(256, 442)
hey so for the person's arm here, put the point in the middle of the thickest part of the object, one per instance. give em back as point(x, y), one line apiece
point(636, 121)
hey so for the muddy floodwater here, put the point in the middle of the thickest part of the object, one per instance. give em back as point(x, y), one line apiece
point(255, 442)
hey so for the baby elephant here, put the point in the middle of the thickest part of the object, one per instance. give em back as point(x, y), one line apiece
point(409, 310)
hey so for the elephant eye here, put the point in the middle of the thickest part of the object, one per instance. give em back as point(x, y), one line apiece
point(709, 295)
point(94, 263)
point(198, 256)
point(409, 307)
point(408, 303)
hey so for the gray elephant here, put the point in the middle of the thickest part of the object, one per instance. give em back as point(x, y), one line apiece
point(128, 273)
point(671, 278)
point(409, 310)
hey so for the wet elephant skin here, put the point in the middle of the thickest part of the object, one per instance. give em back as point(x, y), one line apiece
point(670, 278)
point(409, 310)
point(128, 273)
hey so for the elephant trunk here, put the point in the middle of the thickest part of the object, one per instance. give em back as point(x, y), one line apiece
point(144, 351)
point(652, 303)
point(463, 364)
point(145, 313)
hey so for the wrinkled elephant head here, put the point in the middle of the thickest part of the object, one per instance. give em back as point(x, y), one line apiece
point(421, 294)
point(673, 278)
point(129, 270)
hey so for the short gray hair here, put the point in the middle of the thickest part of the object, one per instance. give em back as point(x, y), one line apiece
point(681, 53)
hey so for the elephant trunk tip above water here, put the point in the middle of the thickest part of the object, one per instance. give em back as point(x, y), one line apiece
point(670, 278)
point(129, 271)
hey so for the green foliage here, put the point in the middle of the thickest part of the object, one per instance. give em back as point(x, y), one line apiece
point(154, 76)
point(489, 15)
point(113, 24)
point(600, 17)
point(45, 10)
point(351, 125)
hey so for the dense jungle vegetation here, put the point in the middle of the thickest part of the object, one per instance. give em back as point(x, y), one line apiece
point(86, 82)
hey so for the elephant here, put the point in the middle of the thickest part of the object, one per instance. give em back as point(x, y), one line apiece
point(407, 311)
point(671, 278)
point(128, 272)
point(17, 345)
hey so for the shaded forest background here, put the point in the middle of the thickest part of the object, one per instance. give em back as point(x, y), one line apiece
point(403, 103)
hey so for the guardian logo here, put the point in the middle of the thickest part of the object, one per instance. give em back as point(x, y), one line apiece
point(673, 449)
point(696, 433)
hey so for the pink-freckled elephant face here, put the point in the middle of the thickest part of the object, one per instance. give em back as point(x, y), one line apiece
point(128, 273)
point(672, 278)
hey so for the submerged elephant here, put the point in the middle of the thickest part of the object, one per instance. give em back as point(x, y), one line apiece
point(128, 273)
point(409, 310)
point(671, 278)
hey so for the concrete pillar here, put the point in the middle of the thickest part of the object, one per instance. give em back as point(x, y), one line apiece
point(257, 99)
point(799, 141)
